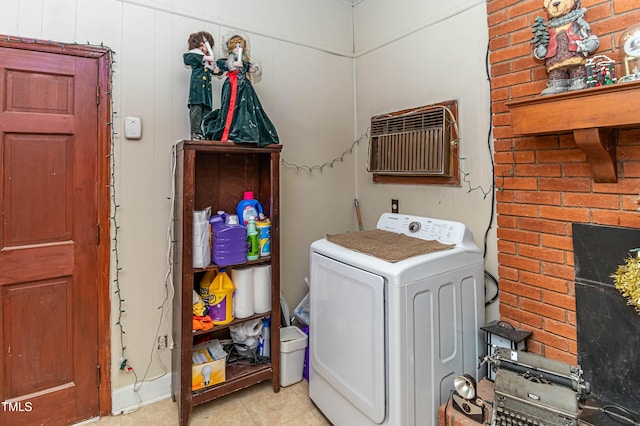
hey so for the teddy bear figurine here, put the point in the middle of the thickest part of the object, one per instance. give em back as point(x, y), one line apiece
point(564, 44)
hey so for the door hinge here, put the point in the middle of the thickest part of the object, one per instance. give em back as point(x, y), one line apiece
point(98, 374)
point(97, 95)
point(98, 234)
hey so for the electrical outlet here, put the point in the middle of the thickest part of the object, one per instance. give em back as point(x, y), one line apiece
point(395, 206)
point(162, 342)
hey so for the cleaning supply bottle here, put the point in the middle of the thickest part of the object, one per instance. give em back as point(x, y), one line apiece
point(221, 298)
point(229, 242)
point(253, 243)
point(248, 207)
point(263, 227)
point(266, 337)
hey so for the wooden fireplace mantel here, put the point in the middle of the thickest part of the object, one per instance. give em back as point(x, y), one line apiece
point(592, 115)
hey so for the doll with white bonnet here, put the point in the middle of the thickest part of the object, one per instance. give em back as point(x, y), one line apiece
point(240, 118)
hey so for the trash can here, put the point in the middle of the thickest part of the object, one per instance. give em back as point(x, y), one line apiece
point(292, 347)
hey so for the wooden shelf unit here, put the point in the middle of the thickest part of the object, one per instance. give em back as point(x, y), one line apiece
point(216, 174)
point(592, 115)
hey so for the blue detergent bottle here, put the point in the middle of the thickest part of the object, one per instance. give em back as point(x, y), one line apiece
point(247, 208)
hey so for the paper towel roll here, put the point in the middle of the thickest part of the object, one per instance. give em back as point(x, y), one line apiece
point(244, 295)
point(262, 288)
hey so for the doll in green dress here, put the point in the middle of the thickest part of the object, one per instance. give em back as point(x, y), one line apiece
point(240, 118)
point(201, 60)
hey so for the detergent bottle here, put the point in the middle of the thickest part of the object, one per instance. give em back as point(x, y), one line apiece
point(229, 242)
point(248, 207)
point(221, 298)
point(253, 244)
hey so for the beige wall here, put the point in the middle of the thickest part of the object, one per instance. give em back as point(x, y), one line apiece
point(410, 65)
point(411, 53)
point(405, 56)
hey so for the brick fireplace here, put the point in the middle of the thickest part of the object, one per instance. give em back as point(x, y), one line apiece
point(608, 329)
point(545, 183)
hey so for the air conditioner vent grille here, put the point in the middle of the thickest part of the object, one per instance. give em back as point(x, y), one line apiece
point(414, 142)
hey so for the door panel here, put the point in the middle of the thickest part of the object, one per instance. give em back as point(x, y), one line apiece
point(39, 92)
point(46, 364)
point(347, 346)
point(31, 189)
point(48, 245)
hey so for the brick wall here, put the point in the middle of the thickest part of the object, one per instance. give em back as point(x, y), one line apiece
point(544, 183)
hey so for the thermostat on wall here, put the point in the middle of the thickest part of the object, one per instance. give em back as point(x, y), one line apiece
point(132, 128)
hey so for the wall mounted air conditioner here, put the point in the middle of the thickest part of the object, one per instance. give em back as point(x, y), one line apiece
point(414, 142)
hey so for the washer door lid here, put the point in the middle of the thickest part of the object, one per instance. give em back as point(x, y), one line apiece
point(348, 333)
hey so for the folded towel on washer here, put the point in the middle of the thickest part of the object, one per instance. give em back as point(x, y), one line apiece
point(385, 245)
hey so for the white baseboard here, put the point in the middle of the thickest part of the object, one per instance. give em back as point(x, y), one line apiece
point(126, 399)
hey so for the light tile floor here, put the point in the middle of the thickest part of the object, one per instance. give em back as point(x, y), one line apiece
point(257, 405)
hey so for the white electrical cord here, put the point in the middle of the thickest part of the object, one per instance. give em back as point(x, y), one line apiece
point(168, 279)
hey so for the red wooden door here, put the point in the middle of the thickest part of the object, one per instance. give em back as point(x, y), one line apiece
point(48, 238)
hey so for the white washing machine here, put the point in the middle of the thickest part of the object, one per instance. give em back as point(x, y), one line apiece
point(387, 339)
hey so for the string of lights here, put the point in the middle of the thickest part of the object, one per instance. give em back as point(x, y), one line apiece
point(510, 172)
point(331, 163)
point(117, 268)
point(115, 228)
point(467, 182)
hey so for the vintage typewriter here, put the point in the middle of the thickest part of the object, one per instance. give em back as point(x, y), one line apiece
point(535, 391)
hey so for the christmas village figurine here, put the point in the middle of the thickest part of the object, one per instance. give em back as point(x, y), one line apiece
point(601, 71)
point(240, 118)
point(201, 60)
point(564, 44)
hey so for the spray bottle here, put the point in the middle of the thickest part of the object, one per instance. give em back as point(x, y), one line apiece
point(265, 348)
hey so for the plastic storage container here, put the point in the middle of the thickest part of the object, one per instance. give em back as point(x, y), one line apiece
point(292, 345)
point(247, 208)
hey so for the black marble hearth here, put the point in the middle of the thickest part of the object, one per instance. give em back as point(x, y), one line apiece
point(608, 329)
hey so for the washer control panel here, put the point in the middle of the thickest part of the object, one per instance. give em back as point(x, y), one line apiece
point(444, 231)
